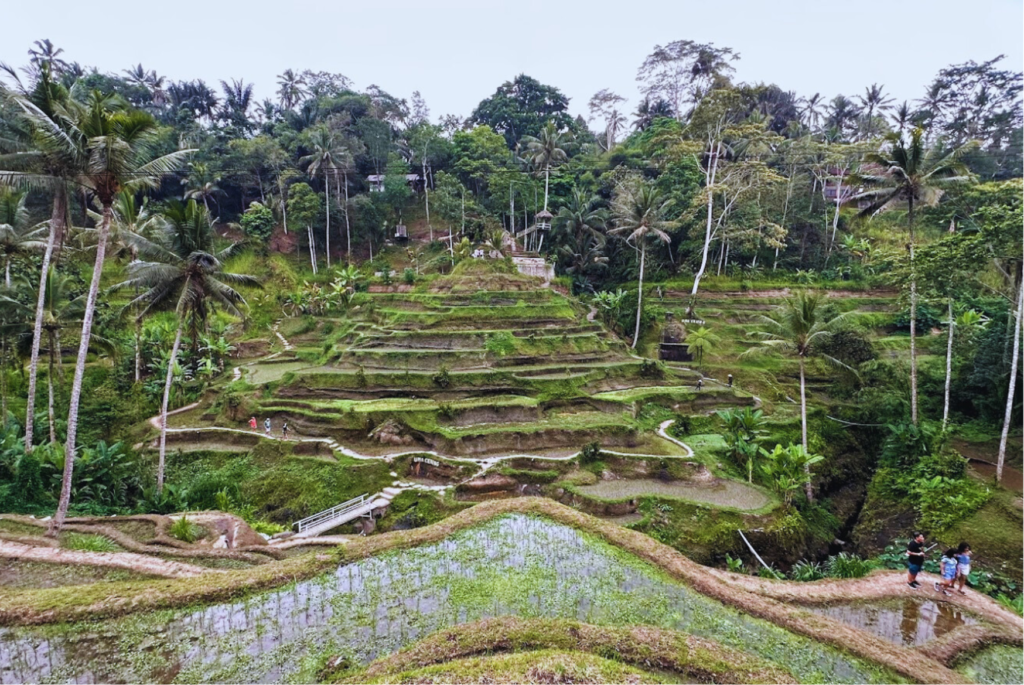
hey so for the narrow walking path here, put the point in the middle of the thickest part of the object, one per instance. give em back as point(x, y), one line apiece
point(287, 345)
point(140, 563)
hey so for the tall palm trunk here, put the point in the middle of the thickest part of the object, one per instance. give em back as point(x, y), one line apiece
point(803, 428)
point(949, 368)
point(1014, 359)
point(327, 213)
point(709, 184)
point(426, 196)
point(163, 406)
point(913, 317)
point(76, 386)
point(7, 272)
point(312, 248)
point(547, 174)
point(639, 295)
point(138, 350)
point(49, 387)
point(348, 227)
point(57, 216)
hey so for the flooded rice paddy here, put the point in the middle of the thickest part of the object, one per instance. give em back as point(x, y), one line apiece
point(514, 565)
point(910, 622)
point(723, 493)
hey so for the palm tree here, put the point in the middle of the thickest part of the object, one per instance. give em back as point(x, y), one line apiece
point(905, 171)
point(639, 214)
point(118, 145)
point(647, 111)
point(187, 276)
point(701, 342)
point(841, 113)
point(873, 101)
point(201, 183)
point(47, 159)
point(323, 161)
point(291, 88)
point(811, 110)
point(235, 108)
point(547, 150)
point(797, 324)
point(581, 214)
point(17, 238)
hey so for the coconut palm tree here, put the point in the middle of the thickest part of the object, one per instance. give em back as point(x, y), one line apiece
point(904, 171)
point(201, 183)
point(46, 158)
point(186, 275)
point(547, 150)
point(872, 102)
point(324, 161)
point(291, 88)
point(812, 110)
point(638, 211)
point(794, 329)
point(17, 238)
point(118, 145)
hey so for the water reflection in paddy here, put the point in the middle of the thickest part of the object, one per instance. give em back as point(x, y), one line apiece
point(513, 565)
point(911, 622)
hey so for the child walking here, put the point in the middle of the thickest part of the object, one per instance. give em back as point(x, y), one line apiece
point(963, 566)
point(947, 565)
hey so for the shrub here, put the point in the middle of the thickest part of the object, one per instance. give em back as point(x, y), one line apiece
point(446, 410)
point(267, 528)
point(409, 276)
point(1015, 604)
point(184, 530)
point(257, 222)
point(805, 571)
point(89, 543)
point(651, 369)
point(768, 572)
point(442, 378)
point(501, 343)
point(845, 565)
point(590, 453)
point(734, 564)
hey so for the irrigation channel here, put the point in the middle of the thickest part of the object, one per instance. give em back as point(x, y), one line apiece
point(513, 565)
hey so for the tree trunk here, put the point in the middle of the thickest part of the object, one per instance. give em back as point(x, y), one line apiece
point(949, 367)
point(76, 385)
point(913, 319)
point(138, 350)
point(3, 381)
point(1014, 359)
point(639, 295)
point(327, 212)
point(426, 196)
point(57, 216)
point(163, 407)
point(312, 248)
point(348, 228)
point(803, 429)
point(709, 185)
point(49, 388)
point(7, 273)
point(547, 173)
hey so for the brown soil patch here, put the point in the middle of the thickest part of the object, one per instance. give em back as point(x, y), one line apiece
point(138, 563)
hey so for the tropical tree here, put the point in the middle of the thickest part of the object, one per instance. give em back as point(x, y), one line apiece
point(118, 148)
point(323, 161)
point(547, 150)
point(639, 211)
point(905, 171)
point(873, 102)
point(291, 88)
point(701, 342)
point(744, 428)
point(17, 237)
point(48, 159)
point(788, 468)
point(796, 328)
point(201, 183)
point(185, 275)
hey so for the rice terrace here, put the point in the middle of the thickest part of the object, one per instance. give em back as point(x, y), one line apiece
point(708, 376)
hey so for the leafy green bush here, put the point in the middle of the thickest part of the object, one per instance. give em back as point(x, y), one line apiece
point(442, 378)
point(409, 276)
point(184, 530)
point(806, 571)
point(89, 543)
point(501, 343)
point(257, 222)
point(590, 453)
point(768, 572)
point(1015, 604)
point(267, 528)
point(734, 564)
point(845, 565)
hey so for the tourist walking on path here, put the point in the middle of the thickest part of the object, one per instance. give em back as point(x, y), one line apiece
point(252, 423)
point(947, 566)
point(915, 559)
point(284, 431)
point(266, 427)
point(963, 566)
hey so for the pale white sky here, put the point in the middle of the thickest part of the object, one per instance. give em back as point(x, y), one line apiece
point(456, 52)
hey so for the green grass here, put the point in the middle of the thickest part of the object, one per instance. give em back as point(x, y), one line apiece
point(84, 542)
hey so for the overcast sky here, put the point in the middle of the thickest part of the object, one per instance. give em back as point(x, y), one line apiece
point(456, 52)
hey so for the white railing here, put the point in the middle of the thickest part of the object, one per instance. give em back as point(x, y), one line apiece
point(329, 514)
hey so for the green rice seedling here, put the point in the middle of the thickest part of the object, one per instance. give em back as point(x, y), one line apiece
point(806, 571)
point(845, 565)
point(184, 530)
point(89, 543)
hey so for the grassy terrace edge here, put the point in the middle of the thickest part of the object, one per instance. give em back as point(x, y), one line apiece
point(54, 605)
point(645, 647)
